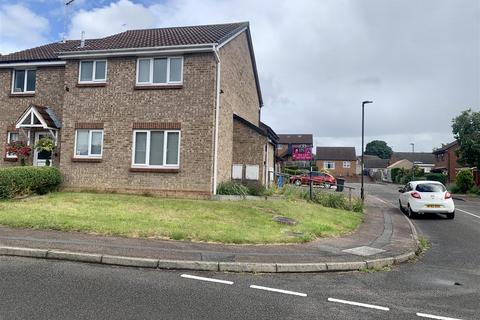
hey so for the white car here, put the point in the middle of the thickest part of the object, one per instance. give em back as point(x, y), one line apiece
point(419, 197)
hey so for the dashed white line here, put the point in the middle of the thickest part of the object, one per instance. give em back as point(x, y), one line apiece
point(431, 316)
point(206, 279)
point(279, 290)
point(359, 304)
point(468, 213)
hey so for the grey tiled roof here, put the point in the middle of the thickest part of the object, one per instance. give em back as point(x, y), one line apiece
point(145, 38)
point(335, 153)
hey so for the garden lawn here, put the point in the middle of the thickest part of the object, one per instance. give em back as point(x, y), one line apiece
point(197, 220)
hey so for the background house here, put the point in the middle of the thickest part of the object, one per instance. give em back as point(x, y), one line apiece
point(422, 160)
point(446, 161)
point(286, 147)
point(340, 161)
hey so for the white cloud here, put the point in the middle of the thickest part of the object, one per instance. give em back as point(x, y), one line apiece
point(21, 28)
point(113, 18)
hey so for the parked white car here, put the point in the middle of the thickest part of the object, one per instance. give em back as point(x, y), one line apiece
point(419, 197)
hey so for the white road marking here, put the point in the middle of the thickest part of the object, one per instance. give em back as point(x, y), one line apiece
point(365, 305)
point(279, 290)
point(431, 316)
point(468, 213)
point(205, 279)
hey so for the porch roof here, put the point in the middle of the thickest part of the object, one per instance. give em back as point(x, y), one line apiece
point(38, 117)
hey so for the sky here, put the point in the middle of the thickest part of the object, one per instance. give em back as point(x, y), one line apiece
point(419, 61)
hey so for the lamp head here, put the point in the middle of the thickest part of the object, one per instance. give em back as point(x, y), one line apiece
point(365, 102)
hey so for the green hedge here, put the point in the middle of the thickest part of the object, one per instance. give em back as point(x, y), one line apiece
point(17, 181)
point(440, 177)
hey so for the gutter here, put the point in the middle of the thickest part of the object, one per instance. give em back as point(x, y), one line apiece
point(217, 120)
point(137, 51)
point(32, 64)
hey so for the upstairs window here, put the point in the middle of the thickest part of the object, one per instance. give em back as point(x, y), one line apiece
point(158, 71)
point(23, 81)
point(346, 164)
point(93, 71)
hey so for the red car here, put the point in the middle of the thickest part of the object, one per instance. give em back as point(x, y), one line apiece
point(318, 178)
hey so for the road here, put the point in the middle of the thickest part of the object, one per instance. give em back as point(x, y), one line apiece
point(445, 283)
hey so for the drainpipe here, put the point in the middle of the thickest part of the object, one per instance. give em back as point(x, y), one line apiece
point(217, 119)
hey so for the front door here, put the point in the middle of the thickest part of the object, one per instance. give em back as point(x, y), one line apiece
point(40, 158)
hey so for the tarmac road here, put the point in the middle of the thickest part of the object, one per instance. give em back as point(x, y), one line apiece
point(445, 283)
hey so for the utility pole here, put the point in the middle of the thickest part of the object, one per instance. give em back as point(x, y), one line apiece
point(362, 191)
point(413, 167)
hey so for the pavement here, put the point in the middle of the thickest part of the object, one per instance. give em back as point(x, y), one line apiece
point(384, 238)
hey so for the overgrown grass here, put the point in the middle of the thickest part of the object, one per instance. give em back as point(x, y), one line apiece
point(199, 220)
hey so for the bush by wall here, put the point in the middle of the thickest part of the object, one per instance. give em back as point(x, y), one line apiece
point(440, 177)
point(17, 181)
point(464, 181)
point(231, 188)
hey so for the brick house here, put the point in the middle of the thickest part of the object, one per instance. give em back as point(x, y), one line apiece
point(285, 149)
point(170, 111)
point(446, 161)
point(340, 161)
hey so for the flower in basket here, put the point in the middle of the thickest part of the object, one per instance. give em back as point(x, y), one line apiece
point(19, 149)
point(45, 144)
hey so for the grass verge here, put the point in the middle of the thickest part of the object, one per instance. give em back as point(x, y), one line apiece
point(248, 222)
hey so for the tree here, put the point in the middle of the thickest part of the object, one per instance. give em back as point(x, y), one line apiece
point(379, 148)
point(466, 129)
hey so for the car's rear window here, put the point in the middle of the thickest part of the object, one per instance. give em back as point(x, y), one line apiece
point(430, 187)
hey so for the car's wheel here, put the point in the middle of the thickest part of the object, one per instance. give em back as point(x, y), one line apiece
point(298, 183)
point(411, 214)
point(451, 215)
point(400, 206)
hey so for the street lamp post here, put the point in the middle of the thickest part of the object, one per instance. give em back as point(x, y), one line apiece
point(362, 191)
point(413, 167)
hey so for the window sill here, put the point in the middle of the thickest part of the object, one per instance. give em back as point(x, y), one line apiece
point(91, 84)
point(158, 87)
point(159, 170)
point(22, 94)
point(7, 159)
point(90, 160)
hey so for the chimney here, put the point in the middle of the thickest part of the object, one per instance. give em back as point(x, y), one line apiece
point(82, 40)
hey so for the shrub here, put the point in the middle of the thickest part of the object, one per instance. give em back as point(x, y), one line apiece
point(17, 181)
point(232, 188)
point(453, 188)
point(440, 177)
point(256, 189)
point(464, 180)
point(474, 190)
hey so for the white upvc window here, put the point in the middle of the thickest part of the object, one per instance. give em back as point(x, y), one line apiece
point(156, 149)
point(23, 80)
point(329, 164)
point(88, 143)
point(252, 172)
point(12, 137)
point(346, 164)
point(92, 71)
point(159, 71)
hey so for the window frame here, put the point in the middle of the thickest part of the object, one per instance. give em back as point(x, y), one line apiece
point(93, 71)
point(147, 149)
point(89, 155)
point(9, 140)
point(150, 82)
point(329, 162)
point(14, 75)
point(347, 164)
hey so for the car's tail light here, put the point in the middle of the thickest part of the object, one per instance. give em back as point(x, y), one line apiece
point(448, 195)
point(416, 195)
